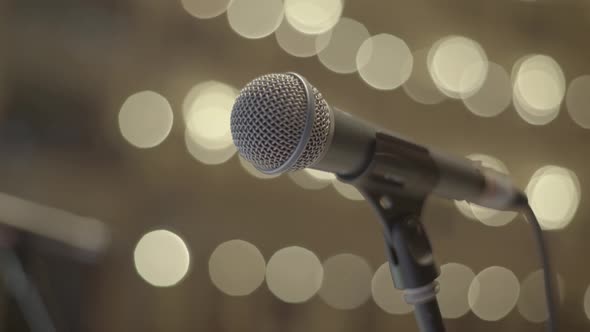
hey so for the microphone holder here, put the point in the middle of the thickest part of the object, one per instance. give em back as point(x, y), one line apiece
point(409, 252)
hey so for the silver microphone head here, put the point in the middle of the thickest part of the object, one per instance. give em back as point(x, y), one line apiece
point(281, 123)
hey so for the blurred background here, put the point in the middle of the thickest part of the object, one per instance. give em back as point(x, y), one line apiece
point(116, 114)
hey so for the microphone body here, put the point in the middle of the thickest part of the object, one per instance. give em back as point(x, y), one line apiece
point(344, 145)
point(350, 148)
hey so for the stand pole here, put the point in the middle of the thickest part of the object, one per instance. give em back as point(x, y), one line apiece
point(428, 316)
point(413, 270)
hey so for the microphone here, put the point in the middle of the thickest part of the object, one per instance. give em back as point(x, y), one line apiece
point(281, 123)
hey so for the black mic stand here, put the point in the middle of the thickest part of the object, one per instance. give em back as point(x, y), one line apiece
point(408, 249)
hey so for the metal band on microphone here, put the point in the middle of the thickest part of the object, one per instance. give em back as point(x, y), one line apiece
point(306, 130)
point(422, 294)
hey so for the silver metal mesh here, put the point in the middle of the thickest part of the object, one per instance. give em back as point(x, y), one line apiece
point(268, 121)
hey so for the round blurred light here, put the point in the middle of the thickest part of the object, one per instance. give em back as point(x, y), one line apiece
point(454, 282)
point(587, 302)
point(387, 297)
point(313, 16)
point(531, 303)
point(420, 85)
point(161, 258)
point(294, 274)
point(465, 209)
point(320, 175)
point(347, 190)
point(495, 94)
point(219, 91)
point(205, 155)
point(255, 18)
point(487, 216)
point(297, 43)
point(236, 267)
point(538, 88)
point(347, 281)
point(578, 99)
point(311, 179)
point(458, 66)
point(145, 119)
point(493, 293)
point(253, 171)
point(554, 195)
point(384, 61)
point(343, 43)
point(207, 110)
point(210, 127)
point(205, 8)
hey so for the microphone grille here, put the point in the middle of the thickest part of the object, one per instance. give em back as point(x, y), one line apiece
point(269, 119)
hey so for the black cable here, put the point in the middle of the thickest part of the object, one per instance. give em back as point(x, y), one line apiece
point(530, 216)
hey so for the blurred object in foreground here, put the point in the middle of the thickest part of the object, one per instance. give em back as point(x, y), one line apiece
point(83, 237)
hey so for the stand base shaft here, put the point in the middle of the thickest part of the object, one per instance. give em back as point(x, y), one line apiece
point(428, 317)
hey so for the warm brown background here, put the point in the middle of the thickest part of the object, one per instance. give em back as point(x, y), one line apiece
point(68, 65)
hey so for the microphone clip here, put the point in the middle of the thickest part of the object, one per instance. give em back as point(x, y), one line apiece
point(409, 251)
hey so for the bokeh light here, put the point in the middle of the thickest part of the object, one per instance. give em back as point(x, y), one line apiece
point(204, 154)
point(554, 194)
point(161, 258)
point(248, 167)
point(218, 89)
point(487, 216)
point(343, 43)
point(320, 175)
point(532, 304)
point(205, 8)
point(311, 179)
point(495, 94)
point(578, 99)
point(538, 88)
point(465, 208)
point(384, 61)
point(347, 281)
point(294, 274)
point(454, 282)
point(458, 66)
point(255, 18)
point(420, 86)
point(313, 16)
point(493, 293)
point(298, 43)
point(145, 119)
point(347, 191)
point(210, 127)
point(237, 267)
point(207, 110)
point(387, 297)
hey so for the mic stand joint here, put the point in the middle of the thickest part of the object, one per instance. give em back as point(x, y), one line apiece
point(409, 252)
